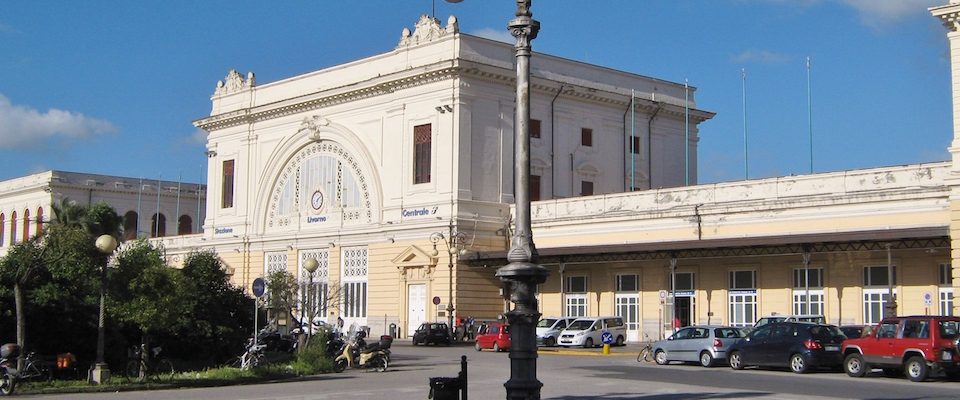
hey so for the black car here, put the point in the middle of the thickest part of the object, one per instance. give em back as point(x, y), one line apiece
point(432, 332)
point(798, 345)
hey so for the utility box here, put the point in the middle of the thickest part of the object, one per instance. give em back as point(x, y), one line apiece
point(445, 388)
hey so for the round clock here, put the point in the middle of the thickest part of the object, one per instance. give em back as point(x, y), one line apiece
point(317, 200)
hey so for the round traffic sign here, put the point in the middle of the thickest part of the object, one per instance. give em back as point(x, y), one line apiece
point(259, 286)
point(606, 338)
point(436, 300)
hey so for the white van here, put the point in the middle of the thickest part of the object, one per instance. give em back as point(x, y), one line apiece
point(588, 331)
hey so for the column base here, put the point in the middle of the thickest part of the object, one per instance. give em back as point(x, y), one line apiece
point(99, 374)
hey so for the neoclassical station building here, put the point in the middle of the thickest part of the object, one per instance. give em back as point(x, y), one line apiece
point(395, 172)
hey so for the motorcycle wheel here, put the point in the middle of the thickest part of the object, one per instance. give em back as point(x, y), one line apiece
point(7, 384)
point(380, 364)
point(340, 365)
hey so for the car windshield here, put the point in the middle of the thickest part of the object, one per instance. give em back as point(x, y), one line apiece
point(823, 332)
point(546, 322)
point(769, 320)
point(949, 329)
point(580, 324)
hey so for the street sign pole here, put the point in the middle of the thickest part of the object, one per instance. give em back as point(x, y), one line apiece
point(259, 286)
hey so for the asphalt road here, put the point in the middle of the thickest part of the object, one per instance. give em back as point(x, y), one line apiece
point(576, 374)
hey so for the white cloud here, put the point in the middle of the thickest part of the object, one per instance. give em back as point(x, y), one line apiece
point(199, 136)
point(760, 56)
point(500, 35)
point(878, 13)
point(9, 29)
point(24, 127)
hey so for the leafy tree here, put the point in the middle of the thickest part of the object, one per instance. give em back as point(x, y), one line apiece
point(221, 314)
point(18, 269)
point(281, 291)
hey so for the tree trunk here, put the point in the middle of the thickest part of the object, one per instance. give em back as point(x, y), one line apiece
point(21, 323)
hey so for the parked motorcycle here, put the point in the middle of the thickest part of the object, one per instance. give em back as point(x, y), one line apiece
point(8, 368)
point(356, 353)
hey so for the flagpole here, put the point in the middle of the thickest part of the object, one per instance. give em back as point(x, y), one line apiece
point(810, 114)
point(156, 230)
point(686, 128)
point(746, 163)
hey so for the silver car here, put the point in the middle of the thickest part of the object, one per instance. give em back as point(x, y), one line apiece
point(548, 329)
point(702, 344)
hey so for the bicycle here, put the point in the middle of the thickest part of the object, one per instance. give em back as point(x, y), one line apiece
point(138, 369)
point(36, 369)
point(646, 353)
point(252, 357)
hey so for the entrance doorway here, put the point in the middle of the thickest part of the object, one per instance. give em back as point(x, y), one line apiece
point(685, 310)
point(416, 306)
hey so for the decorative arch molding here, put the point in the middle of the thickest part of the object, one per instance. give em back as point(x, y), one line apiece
point(338, 167)
point(588, 170)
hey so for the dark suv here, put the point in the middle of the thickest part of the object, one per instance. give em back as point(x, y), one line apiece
point(797, 345)
point(432, 332)
point(918, 345)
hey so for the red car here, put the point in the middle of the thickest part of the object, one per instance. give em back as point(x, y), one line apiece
point(496, 337)
point(918, 346)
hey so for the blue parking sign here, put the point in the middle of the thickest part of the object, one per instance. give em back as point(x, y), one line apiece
point(606, 338)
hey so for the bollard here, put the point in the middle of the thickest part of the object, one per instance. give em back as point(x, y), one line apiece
point(606, 349)
point(450, 388)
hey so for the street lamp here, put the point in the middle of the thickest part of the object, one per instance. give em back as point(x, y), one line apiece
point(310, 265)
point(100, 374)
point(456, 244)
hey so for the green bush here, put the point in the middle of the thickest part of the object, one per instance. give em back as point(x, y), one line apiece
point(312, 359)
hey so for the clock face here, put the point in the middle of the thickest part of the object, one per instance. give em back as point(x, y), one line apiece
point(317, 200)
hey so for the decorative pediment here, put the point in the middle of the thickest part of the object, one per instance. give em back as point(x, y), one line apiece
point(427, 29)
point(234, 82)
point(414, 257)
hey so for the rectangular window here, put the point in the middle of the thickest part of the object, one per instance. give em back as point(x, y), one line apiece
point(815, 275)
point(877, 275)
point(586, 137)
point(873, 301)
point(800, 302)
point(576, 284)
point(274, 262)
point(353, 272)
point(684, 281)
point(743, 279)
point(576, 296)
point(946, 289)
point(227, 193)
point(535, 128)
point(628, 283)
point(636, 145)
point(586, 188)
point(534, 187)
point(423, 144)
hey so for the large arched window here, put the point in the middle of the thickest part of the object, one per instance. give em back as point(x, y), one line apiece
point(158, 226)
point(13, 228)
point(184, 225)
point(26, 225)
point(130, 225)
point(39, 219)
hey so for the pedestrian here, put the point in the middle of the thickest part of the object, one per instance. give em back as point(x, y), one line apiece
point(470, 327)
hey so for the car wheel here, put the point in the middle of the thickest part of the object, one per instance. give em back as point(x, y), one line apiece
point(917, 369)
point(619, 341)
point(549, 342)
point(706, 359)
point(736, 360)
point(588, 343)
point(853, 365)
point(892, 372)
point(660, 357)
point(798, 364)
point(477, 346)
point(496, 347)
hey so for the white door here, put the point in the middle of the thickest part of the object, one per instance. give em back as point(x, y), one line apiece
point(417, 303)
point(628, 307)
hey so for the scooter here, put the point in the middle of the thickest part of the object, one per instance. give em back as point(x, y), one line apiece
point(8, 368)
point(357, 354)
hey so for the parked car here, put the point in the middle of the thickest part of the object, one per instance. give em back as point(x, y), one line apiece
point(797, 345)
point(496, 337)
point(588, 331)
point(856, 331)
point(432, 332)
point(548, 329)
point(918, 345)
point(705, 344)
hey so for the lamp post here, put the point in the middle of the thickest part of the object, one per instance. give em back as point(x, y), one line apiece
point(310, 265)
point(456, 244)
point(522, 275)
point(100, 373)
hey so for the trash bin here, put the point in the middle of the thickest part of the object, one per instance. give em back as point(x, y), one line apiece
point(393, 330)
point(444, 388)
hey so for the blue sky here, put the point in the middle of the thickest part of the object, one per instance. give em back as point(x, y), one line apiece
point(111, 87)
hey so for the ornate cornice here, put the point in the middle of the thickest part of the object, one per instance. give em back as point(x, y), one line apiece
point(949, 15)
